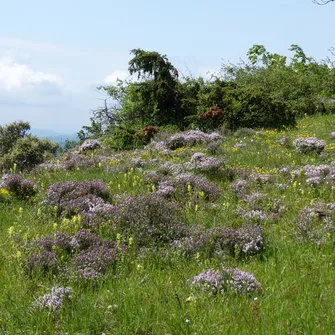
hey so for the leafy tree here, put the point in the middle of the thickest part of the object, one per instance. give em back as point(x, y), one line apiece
point(17, 148)
point(10, 133)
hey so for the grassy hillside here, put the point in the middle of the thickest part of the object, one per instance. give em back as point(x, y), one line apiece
point(122, 254)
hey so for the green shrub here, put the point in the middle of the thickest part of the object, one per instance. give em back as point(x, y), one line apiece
point(27, 152)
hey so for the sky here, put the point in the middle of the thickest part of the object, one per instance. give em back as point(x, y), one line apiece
point(53, 54)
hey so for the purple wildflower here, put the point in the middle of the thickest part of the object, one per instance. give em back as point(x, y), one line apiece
point(89, 144)
point(242, 282)
point(54, 301)
point(307, 145)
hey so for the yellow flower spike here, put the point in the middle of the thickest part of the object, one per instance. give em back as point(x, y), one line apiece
point(99, 165)
point(153, 188)
point(18, 255)
point(11, 231)
point(130, 241)
point(189, 188)
point(20, 211)
point(196, 207)
point(190, 299)
point(119, 186)
point(118, 238)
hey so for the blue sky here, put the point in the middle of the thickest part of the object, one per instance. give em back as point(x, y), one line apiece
point(53, 54)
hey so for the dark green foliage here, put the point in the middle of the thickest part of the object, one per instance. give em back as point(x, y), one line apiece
point(267, 91)
point(10, 133)
point(23, 150)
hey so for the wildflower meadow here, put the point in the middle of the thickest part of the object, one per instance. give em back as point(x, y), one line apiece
point(195, 233)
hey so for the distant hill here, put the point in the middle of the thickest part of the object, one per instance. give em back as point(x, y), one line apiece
point(54, 136)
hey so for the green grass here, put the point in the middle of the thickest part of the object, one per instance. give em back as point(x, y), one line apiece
point(150, 292)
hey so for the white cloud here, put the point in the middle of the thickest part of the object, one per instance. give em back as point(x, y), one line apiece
point(19, 77)
point(111, 79)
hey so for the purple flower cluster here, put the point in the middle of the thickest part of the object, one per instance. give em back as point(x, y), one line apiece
point(150, 219)
point(236, 280)
point(89, 144)
point(93, 262)
point(136, 162)
point(242, 282)
point(42, 261)
point(69, 161)
point(54, 301)
point(244, 241)
point(315, 222)
point(80, 197)
point(91, 255)
point(308, 145)
point(205, 164)
point(254, 200)
point(170, 169)
point(190, 138)
point(199, 184)
point(240, 187)
point(319, 174)
point(20, 187)
point(210, 280)
point(239, 242)
point(198, 239)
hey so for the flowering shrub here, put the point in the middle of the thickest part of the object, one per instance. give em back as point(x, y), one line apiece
point(205, 164)
point(236, 280)
point(89, 144)
point(308, 145)
point(242, 282)
point(210, 280)
point(186, 181)
point(197, 240)
point(150, 219)
point(244, 241)
point(19, 186)
point(240, 187)
point(238, 242)
point(61, 194)
point(319, 174)
point(69, 161)
point(91, 255)
point(92, 263)
point(315, 223)
point(190, 138)
point(42, 261)
point(54, 301)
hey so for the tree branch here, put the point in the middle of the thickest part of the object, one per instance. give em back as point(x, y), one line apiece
point(322, 2)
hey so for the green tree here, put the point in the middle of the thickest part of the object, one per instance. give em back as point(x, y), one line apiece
point(10, 133)
point(21, 149)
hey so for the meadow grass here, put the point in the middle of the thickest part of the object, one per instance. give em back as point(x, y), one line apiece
point(149, 289)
